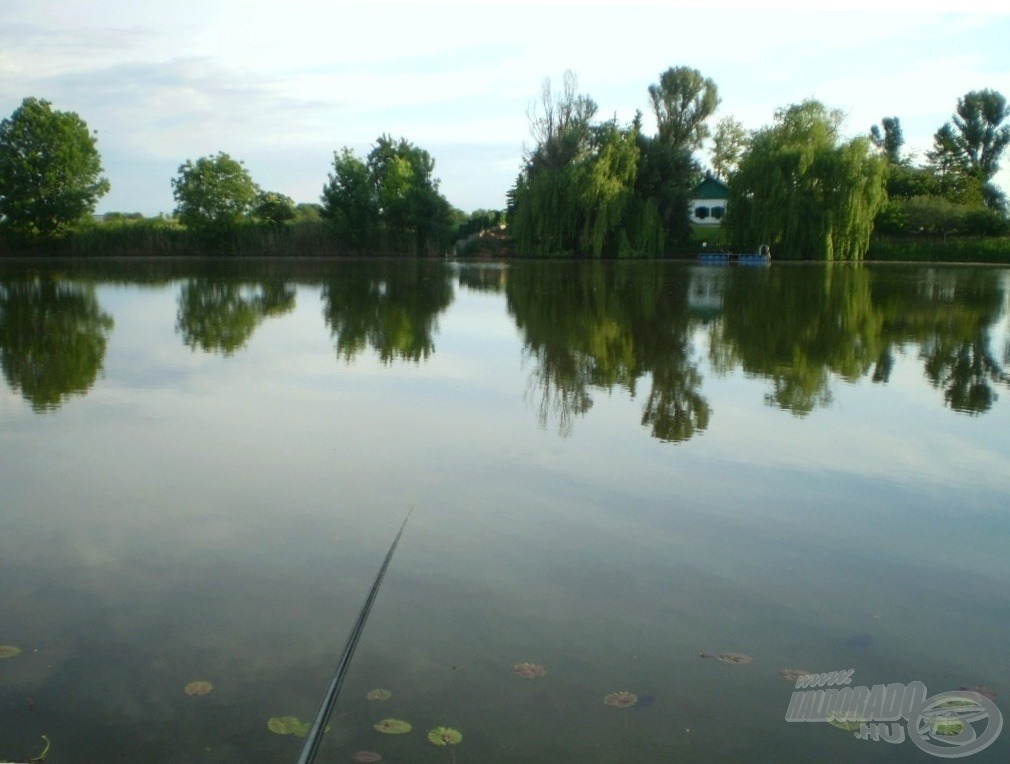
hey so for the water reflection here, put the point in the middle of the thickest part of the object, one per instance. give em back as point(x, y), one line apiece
point(954, 335)
point(53, 336)
point(391, 307)
point(798, 329)
point(586, 327)
point(606, 326)
point(219, 315)
point(483, 277)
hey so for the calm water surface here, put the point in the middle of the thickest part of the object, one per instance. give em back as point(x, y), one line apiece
point(612, 469)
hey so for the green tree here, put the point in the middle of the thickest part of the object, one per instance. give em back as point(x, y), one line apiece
point(729, 144)
point(666, 175)
point(545, 205)
point(214, 195)
point(307, 212)
point(981, 136)
point(682, 101)
point(390, 201)
point(350, 202)
point(889, 138)
point(560, 125)
point(274, 208)
point(576, 194)
point(947, 163)
point(597, 189)
point(414, 215)
point(50, 171)
point(804, 191)
point(588, 206)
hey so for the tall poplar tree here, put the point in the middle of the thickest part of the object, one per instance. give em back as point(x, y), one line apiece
point(682, 101)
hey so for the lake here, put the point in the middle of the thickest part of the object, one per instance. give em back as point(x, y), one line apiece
point(613, 470)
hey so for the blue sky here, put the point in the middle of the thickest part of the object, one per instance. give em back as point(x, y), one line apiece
point(282, 85)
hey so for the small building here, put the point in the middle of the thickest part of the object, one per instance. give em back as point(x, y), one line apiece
point(708, 201)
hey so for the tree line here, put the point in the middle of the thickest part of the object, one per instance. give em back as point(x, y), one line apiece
point(588, 187)
point(597, 188)
point(51, 179)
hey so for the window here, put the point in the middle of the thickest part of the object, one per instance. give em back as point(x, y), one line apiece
point(718, 212)
point(701, 212)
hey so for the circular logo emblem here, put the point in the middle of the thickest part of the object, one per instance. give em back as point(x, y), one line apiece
point(942, 725)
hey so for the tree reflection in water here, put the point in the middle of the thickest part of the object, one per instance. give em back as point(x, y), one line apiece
point(390, 306)
point(608, 325)
point(219, 315)
point(53, 336)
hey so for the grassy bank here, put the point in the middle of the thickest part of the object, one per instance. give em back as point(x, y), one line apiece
point(952, 249)
point(156, 237)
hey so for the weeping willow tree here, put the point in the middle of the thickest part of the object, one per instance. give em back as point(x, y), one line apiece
point(576, 193)
point(587, 207)
point(805, 191)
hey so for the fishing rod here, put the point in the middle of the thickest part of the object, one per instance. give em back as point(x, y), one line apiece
point(315, 736)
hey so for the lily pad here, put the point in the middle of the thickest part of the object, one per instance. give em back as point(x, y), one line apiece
point(393, 726)
point(289, 725)
point(622, 699)
point(199, 687)
point(848, 723)
point(737, 658)
point(791, 675)
point(367, 756)
point(529, 670)
point(9, 651)
point(947, 727)
point(379, 695)
point(445, 736)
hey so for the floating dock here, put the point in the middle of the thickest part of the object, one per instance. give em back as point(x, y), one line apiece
point(748, 258)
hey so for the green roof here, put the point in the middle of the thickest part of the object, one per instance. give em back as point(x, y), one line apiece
point(710, 188)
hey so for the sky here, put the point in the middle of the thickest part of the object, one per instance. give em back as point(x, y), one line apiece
point(283, 85)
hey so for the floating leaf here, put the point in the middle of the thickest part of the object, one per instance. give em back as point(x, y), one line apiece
point(738, 658)
point(290, 725)
point(445, 736)
point(791, 675)
point(393, 726)
point(848, 722)
point(367, 756)
point(379, 695)
point(529, 670)
point(947, 727)
point(623, 699)
point(9, 651)
point(283, 725)
point(199, 687)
